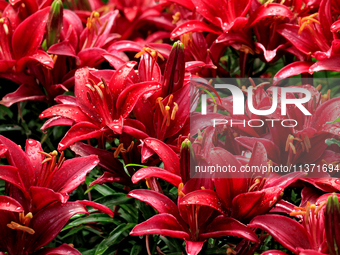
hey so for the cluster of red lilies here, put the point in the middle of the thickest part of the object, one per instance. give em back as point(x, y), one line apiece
point(113, 73)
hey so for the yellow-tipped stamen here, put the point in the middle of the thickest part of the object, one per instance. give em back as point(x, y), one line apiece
point(307, 21)
point(24, 222)
point(180, 188)
point(256, 182)
point(99, 91)
point(90, 87)
point(174, 110)
point(176, 17)
point(16, 226)
point(167, 115)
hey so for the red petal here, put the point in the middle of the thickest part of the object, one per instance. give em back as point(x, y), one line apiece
point(61, 250)
point(58, 215)
point(10, 204)
point(10, 174)
point(160, 202)
point(24, 93)
point(274, 252)
point(91, 57)
point(122, 78)
point(32, 148)
point(193, 248)
point(42, 197)
point(326, 112)
point(57, 121)
point(186, 3)
point(167, 155)
point(328, 64)
point(114, 60)
point(125, 45)
point(193, 26)
point(259, 155)
point(29, 34)
point(63, 48)
point(271, 148)
point(100, 207)
point(203, 197)
point(286, 231)
point(128, 98)
point(72, 112)
point(303, 42)
point(245, 205)
point(40, 56)
point(157, 172)
point(292, 69)
point(227, 188)
point(18, 158)
point(269, 10)
point(160, 224)
point(78, 132)
point(225, 226)
point(72, 173)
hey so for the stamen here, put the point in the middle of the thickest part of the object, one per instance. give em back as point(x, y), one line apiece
point(16, 226)
point(5, 28)
point(306, 21)
point(174, 110)
point(99, 91)
point(161, 105)
point(180, 188)
point(167, 115)
point(176, 17)
point(90, 87)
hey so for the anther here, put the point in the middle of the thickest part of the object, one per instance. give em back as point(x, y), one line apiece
point(90, 87)
point(16, 226)
point(174, 110)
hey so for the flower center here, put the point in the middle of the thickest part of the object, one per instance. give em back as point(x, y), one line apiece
point(50, 167)
point(99, 96)
point(95, 29)
point(24, 222)
point(312, 220)
point(165, 110)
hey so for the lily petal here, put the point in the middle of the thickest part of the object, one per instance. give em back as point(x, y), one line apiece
point(10, 204)
point(286, 231)
point(157, 172)
point(161, 224)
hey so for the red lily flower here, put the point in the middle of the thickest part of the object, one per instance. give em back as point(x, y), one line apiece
point(224, 16)
point(86, 45)
point(244, 196)
point(305, 142)
point(100, 109)
point(137, 14)
point(23, 44)
point(264, 19)
point(37, 179)
point(315, 37)
point(35, 230)
point(174, 220)
point(309, 237)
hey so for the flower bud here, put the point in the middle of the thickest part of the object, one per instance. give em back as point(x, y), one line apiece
point(54, 23)
point(174, 70)
point(187, 160)
point(332, 224)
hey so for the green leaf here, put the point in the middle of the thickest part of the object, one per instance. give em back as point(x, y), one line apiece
point(334, 121)
point(98, 217)
point(115, 237)
point(332, 141)
point(114, 199)
point(136, 249)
